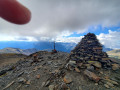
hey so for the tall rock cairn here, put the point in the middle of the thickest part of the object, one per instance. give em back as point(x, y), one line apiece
point(89, 50)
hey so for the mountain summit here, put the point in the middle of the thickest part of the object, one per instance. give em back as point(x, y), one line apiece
point(89, 49)
point(82, 69)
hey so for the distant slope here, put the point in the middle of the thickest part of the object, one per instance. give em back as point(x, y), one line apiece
point(105, 49)
point(42, 45)
point(114, 53)
point(18, 51)
point(8, 58)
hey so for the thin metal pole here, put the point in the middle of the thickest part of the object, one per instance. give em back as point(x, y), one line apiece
point(54, 45)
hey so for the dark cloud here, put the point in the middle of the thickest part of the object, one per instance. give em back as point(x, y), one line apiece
point(51, 17)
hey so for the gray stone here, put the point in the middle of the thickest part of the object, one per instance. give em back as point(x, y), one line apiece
point(106, 86)
point(109, 84)
point(20, 74)
point(91, 68)
point(49, 62)
point(51, 87)
point(21, 80)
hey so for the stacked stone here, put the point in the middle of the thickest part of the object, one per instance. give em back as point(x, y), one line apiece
point(89, 51)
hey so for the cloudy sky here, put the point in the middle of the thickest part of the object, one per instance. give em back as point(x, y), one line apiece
point(67, 21)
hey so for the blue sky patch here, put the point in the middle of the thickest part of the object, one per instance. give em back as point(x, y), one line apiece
point(97, 30)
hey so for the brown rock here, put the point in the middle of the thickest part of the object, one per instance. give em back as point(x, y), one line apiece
point(37, 76)
point(101, 72)
point(106, 77)
point(77, 69)
point(92, 76)
point(64, 87)
point(105, 58)
point(28, 82)
point(115, 66)
point(95, 63)
point(67, 79)
point(35, 69)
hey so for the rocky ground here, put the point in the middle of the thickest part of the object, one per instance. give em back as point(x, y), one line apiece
point(52, 73)
point(24, 75)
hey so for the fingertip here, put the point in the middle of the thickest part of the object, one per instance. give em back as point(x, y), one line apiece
point(13, 11)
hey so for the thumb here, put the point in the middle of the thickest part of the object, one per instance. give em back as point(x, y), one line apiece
point(13, 11)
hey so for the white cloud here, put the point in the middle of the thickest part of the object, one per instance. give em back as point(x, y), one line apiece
point(16, 38)
point(51, 17)
point(69, 39)
point(110, 40)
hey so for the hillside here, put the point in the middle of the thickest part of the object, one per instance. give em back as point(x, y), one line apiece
point(9, 58)
point(18, 51)
point(114, 53)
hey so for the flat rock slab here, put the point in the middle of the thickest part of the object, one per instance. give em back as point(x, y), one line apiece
point(91, 75)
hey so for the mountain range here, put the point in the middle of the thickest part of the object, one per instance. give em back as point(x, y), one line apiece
point(28, 48)
point(18, 51)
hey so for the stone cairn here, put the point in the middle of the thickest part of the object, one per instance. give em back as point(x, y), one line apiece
point(89, 56)
point(89, 52)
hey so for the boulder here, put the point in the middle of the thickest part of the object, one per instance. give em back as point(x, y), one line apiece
point(64, 87)
point(109, 84)
point(91, 68)
point(77, 69)
point(28, 82)
point(95, 63)
point(105, 59)
point(21, 80)
point(115, 66)
point(51, 87)
point(72, 62)
point(106, 86)
point(91, 75)
point(111, 81)
point(67, 79)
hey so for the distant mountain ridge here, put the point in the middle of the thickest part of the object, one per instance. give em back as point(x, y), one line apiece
point(106, 49)
point(114, 53)
point(35, 46)
point(18, 51)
